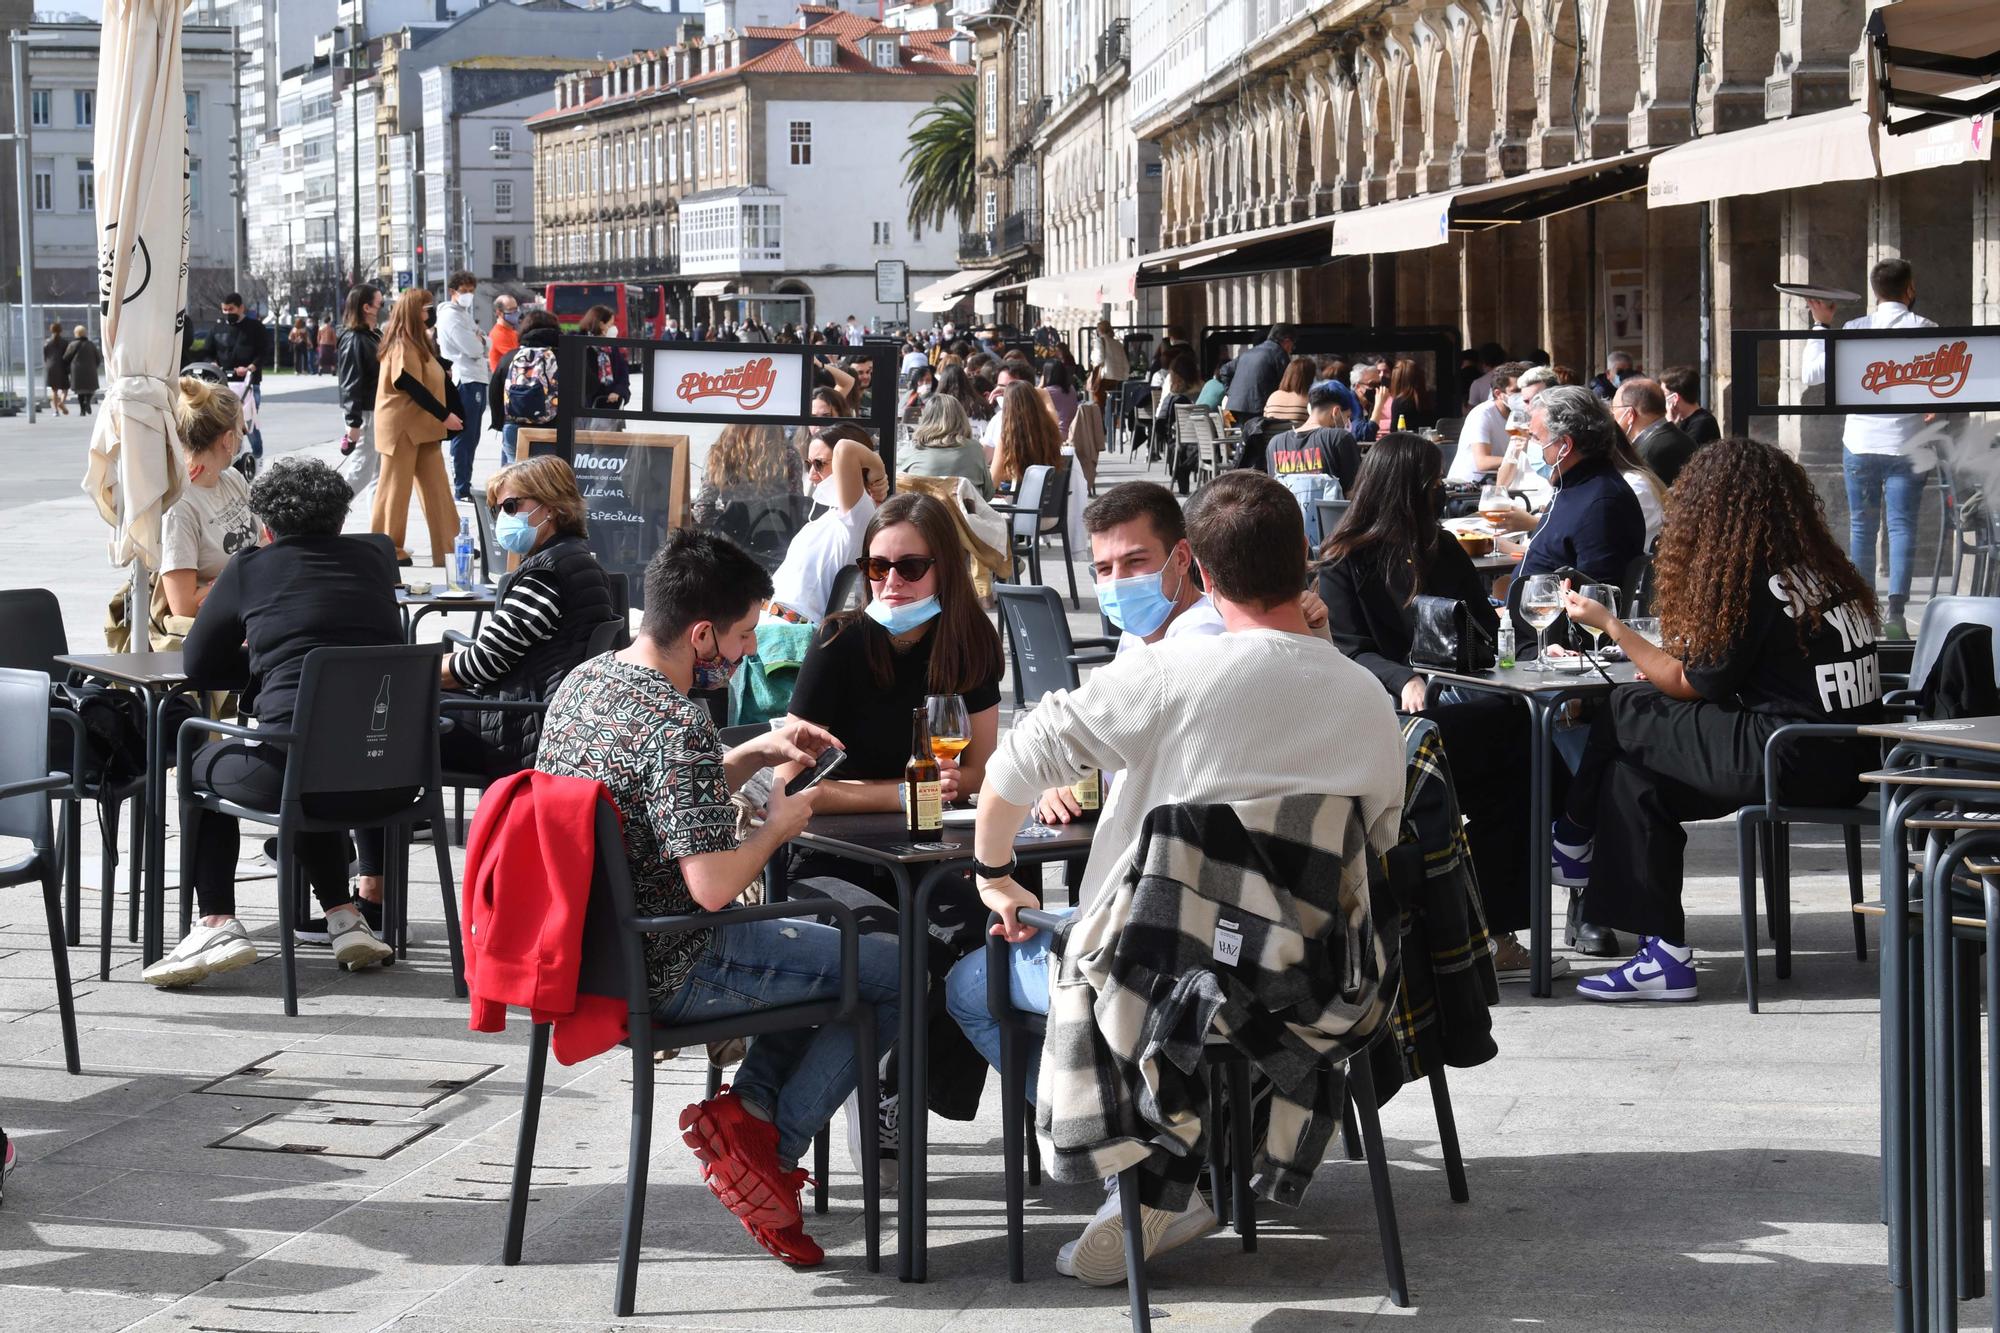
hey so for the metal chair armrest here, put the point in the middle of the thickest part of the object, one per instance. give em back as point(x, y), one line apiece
point(1796, 729)
point(1900, 696)
point(1091, 659)
point(1012, 509)
point(28, 786)
point(457, 638)
point(790, 909)
point(68, 717)
point(195, 727)
point(1041, 918)
point(1094, 641)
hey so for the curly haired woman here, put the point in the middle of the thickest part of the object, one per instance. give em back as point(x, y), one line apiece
point(1767, 623)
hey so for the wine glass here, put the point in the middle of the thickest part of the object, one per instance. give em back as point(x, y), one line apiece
point(1648, 628)
point(1604, 595)
point(1541, 606)
point(950, 727)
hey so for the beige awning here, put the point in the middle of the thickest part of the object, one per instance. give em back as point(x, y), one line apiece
point(937, 297)
point(1428, 220)
point(712, 287)
point(1933, 61)
point(983, 299)
point(1086, 289)
point(1819, 149)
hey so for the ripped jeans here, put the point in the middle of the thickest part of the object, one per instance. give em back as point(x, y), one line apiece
point(800, 1078)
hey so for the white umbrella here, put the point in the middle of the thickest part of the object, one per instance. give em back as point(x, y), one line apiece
point(135, 473)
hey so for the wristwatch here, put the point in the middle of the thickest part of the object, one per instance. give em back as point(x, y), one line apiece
point(981, 870)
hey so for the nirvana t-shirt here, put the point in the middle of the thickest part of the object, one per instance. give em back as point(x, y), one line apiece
point(837, 689)
point(207, 525)
point(1833, 676)
point(1325, 451)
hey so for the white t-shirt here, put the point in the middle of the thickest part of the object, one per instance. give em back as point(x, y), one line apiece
point(1485, 424)
point(821, 550)
point(1200, 618)
point(207, 525)
point(1649, 505)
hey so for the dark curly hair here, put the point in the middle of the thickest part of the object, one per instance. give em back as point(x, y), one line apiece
point(1742, 511)
point(300, 497)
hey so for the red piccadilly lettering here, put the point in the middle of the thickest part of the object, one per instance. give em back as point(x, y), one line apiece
point(749, 384)
point(1943, 372)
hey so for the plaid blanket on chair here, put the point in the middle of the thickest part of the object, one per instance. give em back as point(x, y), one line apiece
point(1256, 922)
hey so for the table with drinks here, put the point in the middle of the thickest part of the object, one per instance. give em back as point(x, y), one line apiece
point(462, 590)
point(1543, 686)
point(920, 848)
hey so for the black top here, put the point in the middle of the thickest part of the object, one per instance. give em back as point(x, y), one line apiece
point(246, 342)
point(1833, 677)
point(1699, 426)
point(1258, 373)
point(274, 604)
point(837, 690)
point(1373, 623)
point(1326, 449)
point(358, 362)
point(1665, 448)
point(1594, 525)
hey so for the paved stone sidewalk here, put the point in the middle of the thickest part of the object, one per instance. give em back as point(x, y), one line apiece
point(1688, 1167)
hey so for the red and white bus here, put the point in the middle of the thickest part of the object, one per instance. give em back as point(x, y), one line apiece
point(641, 308)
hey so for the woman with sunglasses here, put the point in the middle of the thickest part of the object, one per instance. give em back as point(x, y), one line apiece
point(920, 633)
point(844, 477)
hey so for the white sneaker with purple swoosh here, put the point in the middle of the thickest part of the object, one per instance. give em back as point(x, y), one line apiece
point(1659, 971)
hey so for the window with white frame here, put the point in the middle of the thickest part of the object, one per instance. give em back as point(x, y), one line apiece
point(663, 157)
point(801, 136)
point(881, 233)
point(503, 198)
point(822, 52)
point(763, 232)
point(670, 155)
point(503, 252)
point(193, 110)
point(990, 91)
point(732, 143)
point(41, 108)
point(503, 142)
point(715, 143)
point(86, 108)
point(618, 157)
point(885, 54)
point(687, 153)
point(645, 163)
point(700, 155)
point(991, 212)
point(1023, 68)
point(44, 186)
point(86, 185)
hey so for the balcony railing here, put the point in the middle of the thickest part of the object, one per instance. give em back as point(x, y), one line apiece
point(1114, 46)
point(1016, 231)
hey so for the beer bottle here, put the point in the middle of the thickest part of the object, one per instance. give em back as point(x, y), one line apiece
point(923, 792)
point(1089, 791)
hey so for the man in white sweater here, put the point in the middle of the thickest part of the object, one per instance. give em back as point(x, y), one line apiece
point(463, 348)
point(1263, 709)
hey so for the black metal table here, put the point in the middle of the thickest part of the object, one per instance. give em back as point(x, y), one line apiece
point(416, 605)
point(1541, 692)
point(158, 677)
point(881, 840)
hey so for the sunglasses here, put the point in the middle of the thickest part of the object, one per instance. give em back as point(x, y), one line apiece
point(910, 568)
point(514, 504)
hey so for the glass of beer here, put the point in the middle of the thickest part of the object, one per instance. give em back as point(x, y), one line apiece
point(951, 727)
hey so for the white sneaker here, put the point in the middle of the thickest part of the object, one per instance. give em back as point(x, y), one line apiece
point(1097, 1257)
point(204, 951)
point(355, 946)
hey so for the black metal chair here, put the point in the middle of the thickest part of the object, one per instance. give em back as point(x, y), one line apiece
point(32, 636)
point(1232, 1106)
point(1043, 512)
point(614, 965)
point(1039, 643)
point(1637, 582)
point(845, 594)
point(1330, 514)
point(26, 785)
point(366, 721)
point(1763, 832)
point(492, 560)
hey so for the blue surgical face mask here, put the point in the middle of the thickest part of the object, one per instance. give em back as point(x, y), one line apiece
point(1139, 604)
point(1541, 467)
point(515, 533)
point(903, 617)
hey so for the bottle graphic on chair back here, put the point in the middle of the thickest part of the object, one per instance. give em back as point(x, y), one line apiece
point(923, 791)
point(378, 717)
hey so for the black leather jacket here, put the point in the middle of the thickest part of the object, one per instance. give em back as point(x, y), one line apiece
point(245, 343)
point(357, 365)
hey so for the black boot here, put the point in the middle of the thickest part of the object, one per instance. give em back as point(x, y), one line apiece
point(1582, 936)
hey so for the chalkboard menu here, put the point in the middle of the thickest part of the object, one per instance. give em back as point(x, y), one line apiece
point(635, 488)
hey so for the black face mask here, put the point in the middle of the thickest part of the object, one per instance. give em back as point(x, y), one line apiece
point(1438, 499)
point(228, 318)
point(430, 316)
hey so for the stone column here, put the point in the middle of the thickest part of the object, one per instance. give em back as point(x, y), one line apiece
point(1673, 297)
point(1568, 323)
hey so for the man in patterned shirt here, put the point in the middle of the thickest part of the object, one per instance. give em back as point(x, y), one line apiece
point(625, 719)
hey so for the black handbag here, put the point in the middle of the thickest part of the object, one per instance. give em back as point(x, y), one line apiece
point(1446, 636)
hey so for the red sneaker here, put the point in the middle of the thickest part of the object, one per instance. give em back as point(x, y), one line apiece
point(739, 1157)
point(790, 1244)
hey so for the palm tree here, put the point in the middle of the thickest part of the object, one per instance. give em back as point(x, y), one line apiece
point(938, 166)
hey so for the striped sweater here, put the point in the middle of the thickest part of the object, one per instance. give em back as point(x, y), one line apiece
point(528, 616)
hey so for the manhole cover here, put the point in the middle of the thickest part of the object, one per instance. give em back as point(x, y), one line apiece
point(357, 1079)
point(325, 1136)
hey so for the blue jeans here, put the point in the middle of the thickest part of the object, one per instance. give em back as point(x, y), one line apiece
point(800, 1078)
point(1027, 986)
point(472, 412)
point(1872, 481)
point(507, 443)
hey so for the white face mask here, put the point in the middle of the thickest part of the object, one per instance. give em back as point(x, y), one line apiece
point(463, 300)
point(611, 330)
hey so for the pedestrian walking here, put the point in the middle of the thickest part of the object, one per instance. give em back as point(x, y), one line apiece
point(299, 340)
point(416, 408)
point(55, 370)
point(360, 345)
point(86, 366)
point(463, 349)
point(329, 344)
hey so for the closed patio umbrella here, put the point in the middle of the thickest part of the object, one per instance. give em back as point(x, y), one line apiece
point(134, 473)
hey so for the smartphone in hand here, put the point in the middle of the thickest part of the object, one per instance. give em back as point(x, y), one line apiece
point(829, 759)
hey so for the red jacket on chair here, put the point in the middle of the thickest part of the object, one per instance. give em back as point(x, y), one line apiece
point(528, 868)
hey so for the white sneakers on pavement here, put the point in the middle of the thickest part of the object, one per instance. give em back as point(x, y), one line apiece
point(203, 952)
point(1097, 1257)
point(355, 944)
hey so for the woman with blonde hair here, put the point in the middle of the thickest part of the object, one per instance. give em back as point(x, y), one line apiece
point(1028, 436)
point(211, 521)
point(750, 466)
point(416, 408)
point(944, 446)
